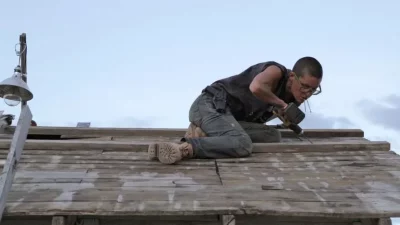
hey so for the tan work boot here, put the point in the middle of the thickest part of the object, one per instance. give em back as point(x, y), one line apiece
point(194, 132)
point(169, 153)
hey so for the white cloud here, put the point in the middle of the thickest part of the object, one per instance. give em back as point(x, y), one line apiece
point(385, 112)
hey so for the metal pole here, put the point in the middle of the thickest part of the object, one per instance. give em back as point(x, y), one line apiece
point(23, 51)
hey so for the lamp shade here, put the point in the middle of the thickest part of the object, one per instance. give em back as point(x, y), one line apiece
point(15, 86)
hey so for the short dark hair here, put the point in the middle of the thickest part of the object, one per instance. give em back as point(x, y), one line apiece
point(308, 65)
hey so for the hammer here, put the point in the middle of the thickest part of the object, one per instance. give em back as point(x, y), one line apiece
point(291, 117)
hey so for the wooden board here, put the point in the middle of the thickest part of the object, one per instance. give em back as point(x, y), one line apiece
point(170, 132)
point(297, 146)
point(342, 176)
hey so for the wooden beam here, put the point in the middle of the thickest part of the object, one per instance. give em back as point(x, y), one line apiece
point(89, 221)
point(58, 220)
point(228, 220)
point(171, 132)
point(375, 221)
point(71, 220)
point(143, 145)
point(320, 147)
point(385, 221)
point(78, 125)
point(16, 147)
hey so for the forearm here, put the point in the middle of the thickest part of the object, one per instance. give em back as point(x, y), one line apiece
point(265, 94)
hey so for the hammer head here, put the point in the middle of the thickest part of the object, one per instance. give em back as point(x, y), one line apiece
point(294, 114)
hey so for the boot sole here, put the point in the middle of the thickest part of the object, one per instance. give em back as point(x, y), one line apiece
point(167, 153)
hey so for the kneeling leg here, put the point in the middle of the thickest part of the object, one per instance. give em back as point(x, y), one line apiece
point(261, 133)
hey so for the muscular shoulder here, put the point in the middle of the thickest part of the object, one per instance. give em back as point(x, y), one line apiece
point(268, 67)
point(268, 77)
point(275, 67)
point(271, 72)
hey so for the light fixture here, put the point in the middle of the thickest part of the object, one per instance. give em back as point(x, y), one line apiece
point(14, 89)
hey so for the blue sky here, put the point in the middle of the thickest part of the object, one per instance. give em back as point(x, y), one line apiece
point(136, 64)
point(129, 63)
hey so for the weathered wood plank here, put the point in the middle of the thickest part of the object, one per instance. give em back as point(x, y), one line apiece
point(283, 140)
point(248, 175)
point(58, 162)
point(147, 139)
point(171, 132)
point(390, 164)
point(143, 185)
point(293, 220)
point(305, 186)
point(325, 184)
point(102, 138)
point(256, 157)
point(158, 218)
point(149, 167)
point(309, 166)
point(121, 162)
point(258, 147)
point(193, 220)
point(266, 154)
point(104, 182)
point(347, 186)
point(186, 220)
point(90, 221)
point(200, 193)
point(26, 220)
point(79, 144)
point(304, 157)
point(321, 147)
point(118, 179)
point(368, 209)
point(141, 157)
point(163, 185)
point(74, 152)
point(171, 173)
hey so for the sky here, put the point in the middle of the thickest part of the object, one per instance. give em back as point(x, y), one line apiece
point(142, 63)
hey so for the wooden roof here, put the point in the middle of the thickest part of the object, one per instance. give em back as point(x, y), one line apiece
point(107, 173)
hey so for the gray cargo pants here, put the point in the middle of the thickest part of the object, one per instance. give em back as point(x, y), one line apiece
point(226, 137)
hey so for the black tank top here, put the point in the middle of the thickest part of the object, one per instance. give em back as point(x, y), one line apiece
point(242, 103)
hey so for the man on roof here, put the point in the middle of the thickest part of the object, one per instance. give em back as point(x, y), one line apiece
point(230, 114)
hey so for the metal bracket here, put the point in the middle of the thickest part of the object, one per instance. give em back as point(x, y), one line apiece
point(83, 124)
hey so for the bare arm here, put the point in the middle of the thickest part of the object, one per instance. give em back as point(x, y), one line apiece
point(264, 83)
